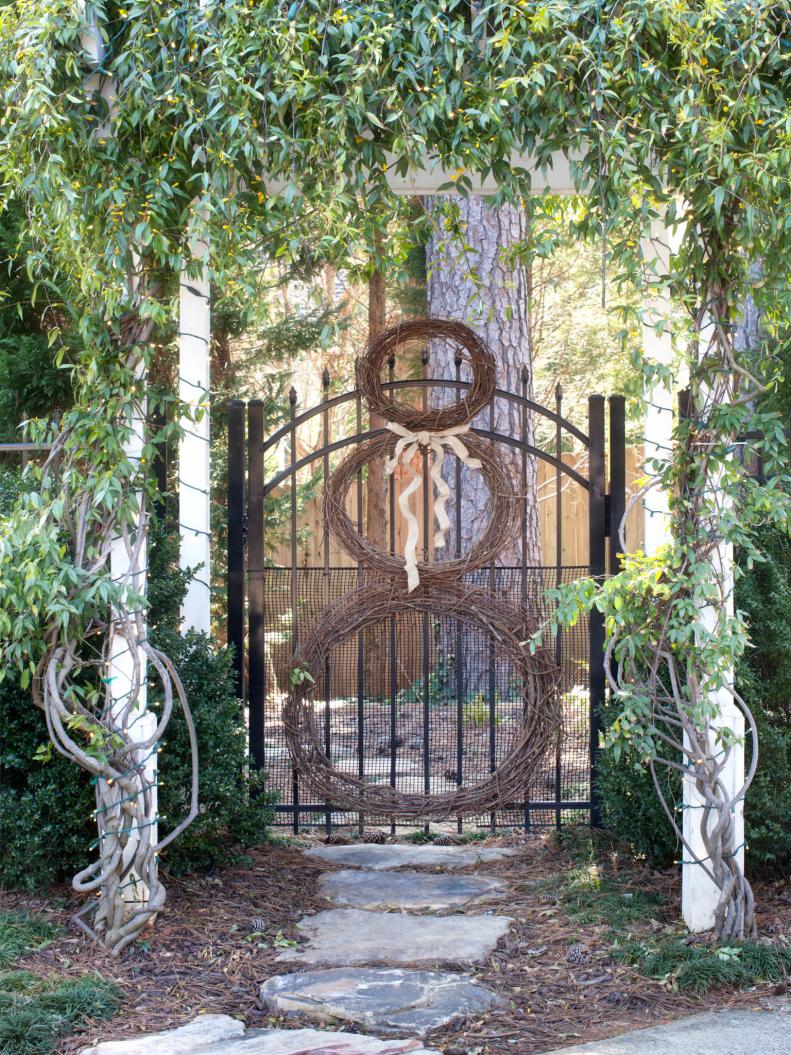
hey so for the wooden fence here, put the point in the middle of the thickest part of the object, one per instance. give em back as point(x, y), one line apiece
point(575, 519)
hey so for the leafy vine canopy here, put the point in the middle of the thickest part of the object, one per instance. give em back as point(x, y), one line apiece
point(213, 103)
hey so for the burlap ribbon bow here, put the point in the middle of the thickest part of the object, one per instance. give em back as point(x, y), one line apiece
point(405, 449)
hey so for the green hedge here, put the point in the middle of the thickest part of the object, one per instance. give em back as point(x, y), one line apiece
point(46, 830)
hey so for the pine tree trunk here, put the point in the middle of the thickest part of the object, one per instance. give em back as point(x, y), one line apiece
point(496, 304)
point(376, 492)
point(376, 512)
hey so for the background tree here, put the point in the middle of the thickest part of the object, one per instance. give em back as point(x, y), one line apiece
point(474, 276)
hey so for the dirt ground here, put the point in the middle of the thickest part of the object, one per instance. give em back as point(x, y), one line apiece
point(202, 957)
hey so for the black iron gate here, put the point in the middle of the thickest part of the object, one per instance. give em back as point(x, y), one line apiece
point(414, 718)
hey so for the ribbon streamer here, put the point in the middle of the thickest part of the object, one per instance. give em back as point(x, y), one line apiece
point(405, 449)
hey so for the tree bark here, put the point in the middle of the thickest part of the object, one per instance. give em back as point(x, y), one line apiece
point(475, 283)
point(376, 490)
point(376, 512)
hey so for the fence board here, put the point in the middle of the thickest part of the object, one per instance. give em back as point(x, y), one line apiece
point(575, 519)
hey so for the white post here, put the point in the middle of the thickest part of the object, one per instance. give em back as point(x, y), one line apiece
point(122, 674)
point(699, 895)
point(121, 662)
point(194, 450)
point(659, 408)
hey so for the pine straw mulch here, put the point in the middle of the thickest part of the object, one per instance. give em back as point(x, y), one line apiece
point(202, 957)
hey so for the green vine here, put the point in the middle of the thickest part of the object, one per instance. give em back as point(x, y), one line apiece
point(267, 127)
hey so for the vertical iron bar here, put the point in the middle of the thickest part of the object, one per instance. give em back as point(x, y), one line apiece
point(360, 639)
point(617, 477)
point(596, 562)
point(393, 645)
point(235, 601)
point(525, 380)
point(426, 622)
point(292, 413)
point(458, 359)
point(326, 440)
point(256, 625)
point(558, 581)
point(492, 672)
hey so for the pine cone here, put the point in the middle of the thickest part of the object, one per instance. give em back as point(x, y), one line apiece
point(373, 837)
point(257, 925)
point(337, 839)
point(447, 840)
point(578, 954)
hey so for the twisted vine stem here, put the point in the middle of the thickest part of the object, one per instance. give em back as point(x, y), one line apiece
point(108, 733)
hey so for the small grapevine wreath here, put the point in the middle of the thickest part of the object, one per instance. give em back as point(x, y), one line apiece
point(500, 530)
point(432, 419)
point(537, 733)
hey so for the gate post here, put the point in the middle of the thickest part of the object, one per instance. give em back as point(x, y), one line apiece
point(256, 654)
point(596, 568)
point(236, 541)
point(617, 477)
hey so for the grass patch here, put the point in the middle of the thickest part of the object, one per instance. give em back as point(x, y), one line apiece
point(20, 933)
point(700, 968)
point(589, 892)
point(36, 1012)
point(590, 897)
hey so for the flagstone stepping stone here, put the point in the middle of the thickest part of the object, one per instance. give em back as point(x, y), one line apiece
point(383, 1000)
point(315, 1042)
point(406, 890)
point(200, 1032)
point(382, 858)
point(345, 937)
point(256, 1042)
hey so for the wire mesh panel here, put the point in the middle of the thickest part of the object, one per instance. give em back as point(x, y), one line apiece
point(383, 720)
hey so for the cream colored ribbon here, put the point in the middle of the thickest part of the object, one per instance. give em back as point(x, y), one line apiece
point(405, 450)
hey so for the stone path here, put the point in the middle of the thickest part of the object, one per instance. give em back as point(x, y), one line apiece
point(386, 917)
point(351, 937)
point(378, 857)
point(406, 890)
point(407, 1004)
point(236, 1041)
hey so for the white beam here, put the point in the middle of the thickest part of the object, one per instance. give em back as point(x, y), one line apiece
point(699, 895)
point(556, 177)
point(124, 679)
point(194, 449)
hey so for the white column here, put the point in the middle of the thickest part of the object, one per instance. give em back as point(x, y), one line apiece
point(659, 405)
point(121, 663)
point(194, 497)
point(699, 895)
point(138, 719)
